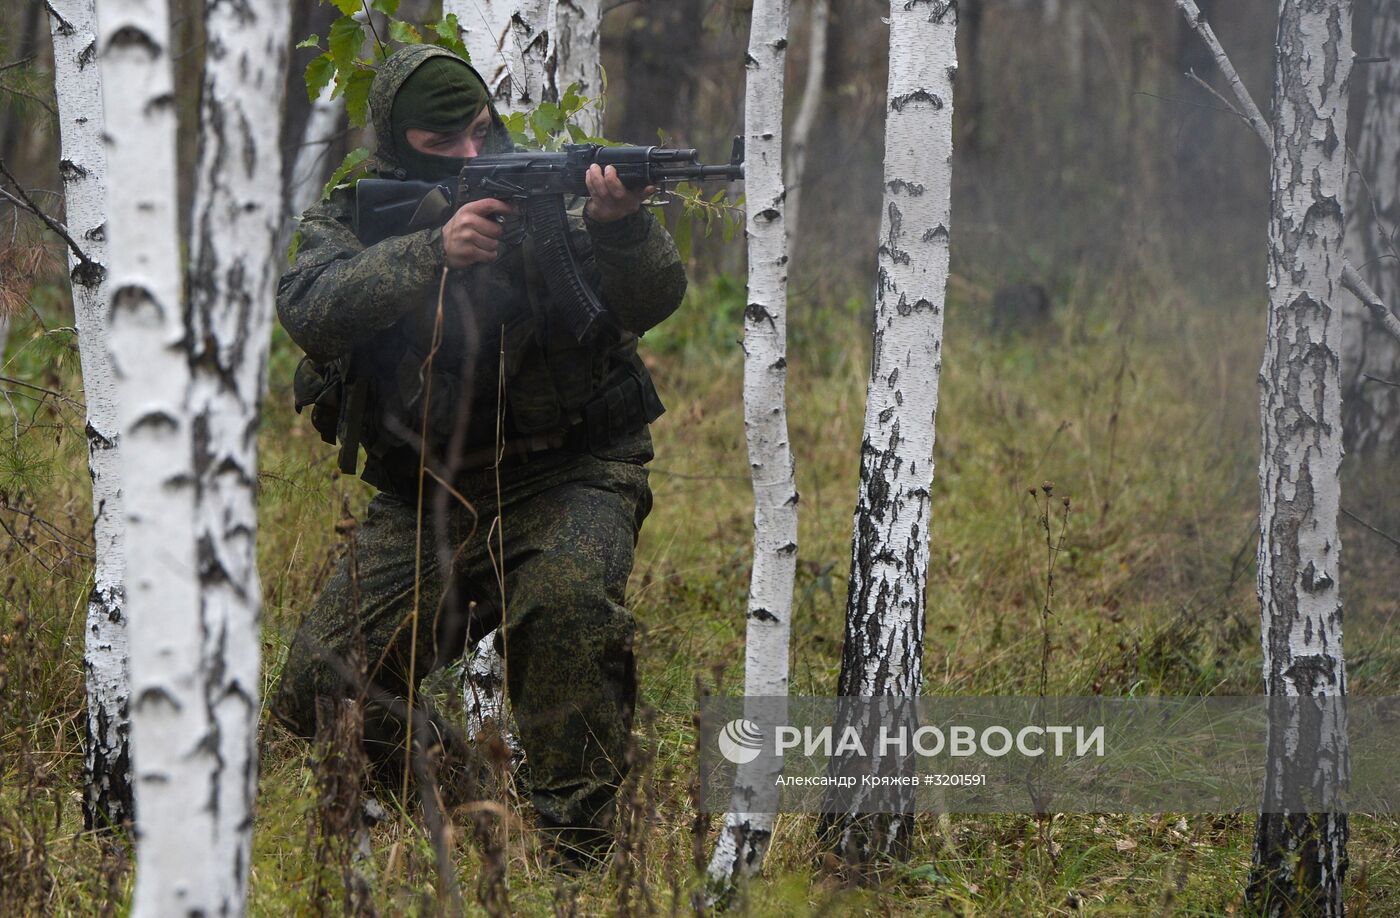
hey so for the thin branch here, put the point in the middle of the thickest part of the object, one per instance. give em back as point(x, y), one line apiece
point(25, 202)
point(1360, 522)
point(31, 97)
point(13, 64)
point(1353, 281)
point(1229, 106)
point(10, 380)
point(1351, 278)
point(1198, 24)
point(1187, 102)
point(1383, 382)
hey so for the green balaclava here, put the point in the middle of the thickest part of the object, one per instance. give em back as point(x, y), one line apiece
point(442, 95)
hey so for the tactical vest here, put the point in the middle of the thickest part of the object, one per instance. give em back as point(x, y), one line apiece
point(501, 367)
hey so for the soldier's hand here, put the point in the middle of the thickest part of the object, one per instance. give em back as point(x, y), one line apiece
point(609, 199)
point(473, 234)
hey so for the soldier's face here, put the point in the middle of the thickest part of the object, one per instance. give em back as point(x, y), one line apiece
point(464, 144)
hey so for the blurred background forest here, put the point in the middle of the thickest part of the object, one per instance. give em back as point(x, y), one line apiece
point(1104, 332)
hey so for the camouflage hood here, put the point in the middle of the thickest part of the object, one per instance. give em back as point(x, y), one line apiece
point(393, 73)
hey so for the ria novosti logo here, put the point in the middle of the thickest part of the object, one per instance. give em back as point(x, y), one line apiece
point(741, 741)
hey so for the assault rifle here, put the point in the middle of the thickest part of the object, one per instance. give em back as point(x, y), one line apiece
point(386, 207)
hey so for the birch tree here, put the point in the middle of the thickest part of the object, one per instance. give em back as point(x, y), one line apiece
point(190, 378)
point(577, 26)
point(1371, 361)
point(1300, 858)
point(748, 828)
point(807, 112)
point(311, 166)
point(83, 166)
point(889, 548)
point(512, 46)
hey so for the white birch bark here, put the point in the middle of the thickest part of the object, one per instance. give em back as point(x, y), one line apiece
point(312, 165)
point(511, 43)
point(1352, 280)
point(806, 113)
point(889, 550)
point(577, 28)
point(1370, 360)
point(748, 827)
point(234, 266)
point(107, 797)
point(146, 335)
point(190, 383)
point(484, 696)
point(1302, 856)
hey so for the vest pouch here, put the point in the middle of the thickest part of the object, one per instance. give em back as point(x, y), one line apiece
point(530, 395)
point(626, 402)
point(322, 386)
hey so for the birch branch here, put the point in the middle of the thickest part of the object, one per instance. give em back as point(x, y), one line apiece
point(1351, 278)
point(26, 203)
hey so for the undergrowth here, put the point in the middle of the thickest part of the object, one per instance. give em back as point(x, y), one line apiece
point(1133, 401)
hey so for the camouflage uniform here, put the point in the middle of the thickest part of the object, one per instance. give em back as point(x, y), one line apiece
point(568, 516)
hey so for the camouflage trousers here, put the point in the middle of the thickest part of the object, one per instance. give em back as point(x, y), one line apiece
point(568, 525)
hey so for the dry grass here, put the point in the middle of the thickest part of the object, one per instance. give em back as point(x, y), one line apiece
point(1136, 402)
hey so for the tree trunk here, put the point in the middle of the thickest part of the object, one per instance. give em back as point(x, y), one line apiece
point(807, 113)
point(511, 43)
point(748, 827)
point(313, 165)
point(889, 550)
point(83, 166)
point(1300, 858)
point(1371, 360)
point(190, 384)
point(660, 75)
point(577, 27)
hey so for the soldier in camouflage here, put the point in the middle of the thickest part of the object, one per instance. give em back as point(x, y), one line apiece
point(531, 447)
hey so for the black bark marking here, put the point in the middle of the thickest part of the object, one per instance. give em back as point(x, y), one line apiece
point(913, 189)
point(938, 232)
point(763, 615)
point(156, 422)
point(899, 103)
point(97, 441)
point(88, 274)
point(1315, 581)
point(70, 171)
point(133, 38)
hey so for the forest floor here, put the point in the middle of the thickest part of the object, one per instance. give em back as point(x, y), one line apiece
point(1137, 401)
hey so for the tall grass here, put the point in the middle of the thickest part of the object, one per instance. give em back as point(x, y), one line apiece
point(1135, 401)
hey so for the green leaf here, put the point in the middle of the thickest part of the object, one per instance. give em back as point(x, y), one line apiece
point(576, 134)
point(682, 235)
point(318, 74)
point(449, 36)
point(352, 161)
point(546, 120)
point(347, 7)
point(515, 123)
point(401, 31)
point(313, 42)
point(357, 96)
point(294, 247)
point(387, 7)
point(572, 100)
point(346, 39)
